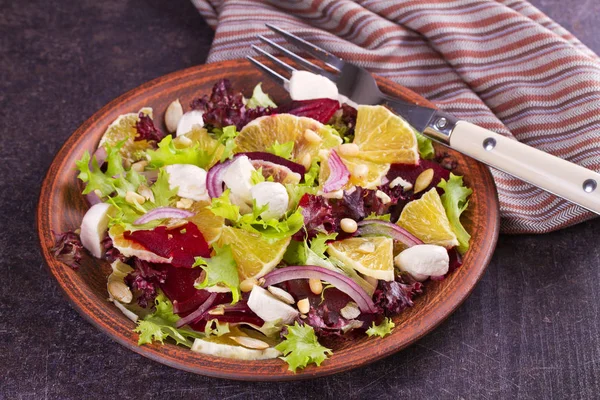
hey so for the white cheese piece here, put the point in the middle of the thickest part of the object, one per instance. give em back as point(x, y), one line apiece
point(423, 260)
point(305, 85)
point(188, 121)
point(406, 185)
point(272, 194)
point(269, 308)
point(93, 228)
point(189, 180)
point(238, 178)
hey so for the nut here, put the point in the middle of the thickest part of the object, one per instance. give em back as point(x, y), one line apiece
point(184, 203)
point(360, 171)
point(250, 343)
point(348, 225)
point(348, 149)
point(316, 286)
point(146, 192)
point(303, 306)
point(350, 311)
point(247, 284)
point(134, 198)
point(385, 199)
point(139, 166)
point(173, 115)
point(312, 136)
point(281, 294)
point(306, 161)
point(423, 180)
point(119, 290)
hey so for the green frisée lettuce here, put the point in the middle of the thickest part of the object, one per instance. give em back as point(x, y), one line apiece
point(168, 154)
point(383, 329)
point(284, 150)
point(259, 98)
point(425, 144)
point(160, 325)
point(455, 201)
point(215, 328)
point(301, 347)
point(220, 268)
point(271, 229)
point(226, 136)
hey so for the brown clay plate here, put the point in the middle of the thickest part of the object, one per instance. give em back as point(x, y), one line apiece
point(61, 207)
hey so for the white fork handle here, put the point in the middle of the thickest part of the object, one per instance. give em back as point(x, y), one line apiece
point(555, 175)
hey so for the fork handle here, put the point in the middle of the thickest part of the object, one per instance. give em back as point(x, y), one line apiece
point(555, 175)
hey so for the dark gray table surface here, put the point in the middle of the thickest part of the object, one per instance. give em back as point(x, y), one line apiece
point(531, 328)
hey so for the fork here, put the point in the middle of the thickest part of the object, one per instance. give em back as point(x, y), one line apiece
point(555, 175)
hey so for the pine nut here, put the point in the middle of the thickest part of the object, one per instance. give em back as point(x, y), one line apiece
point(173, 115)
point(146, 192)
point(348, 149)
point(184, 203)
point(316, 286)
point(133, 198)
point(360, 171)
point(312, 136)
point(423, 180)
point(247, 284)
point(139, 166)
point(303, 306)
point(306, 161)
point(348, 225)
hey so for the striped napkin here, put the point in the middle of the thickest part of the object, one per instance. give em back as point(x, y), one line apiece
point(502, 64)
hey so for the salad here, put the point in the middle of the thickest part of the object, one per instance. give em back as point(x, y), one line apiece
point(255, 230)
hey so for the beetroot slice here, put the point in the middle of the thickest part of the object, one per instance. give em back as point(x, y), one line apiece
point(268, 157)
point(182, 243)
point(410, 173)
point(319, 109)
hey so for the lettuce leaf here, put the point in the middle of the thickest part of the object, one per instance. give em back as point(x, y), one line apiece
point(226, 137)
point(259, 98)
point(282, 150)
point(384, 217)
point(214, 328)
point(383, 329)
point(301, 347)
point(160, 325)
point(220, 268)
point(168, 154)
point(455, 202)
point(425, 144)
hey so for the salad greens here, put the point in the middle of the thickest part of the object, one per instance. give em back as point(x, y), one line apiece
point(301, 347)
point(455, 202)
point(284, 150)
point(220, 268)
point(383, 329)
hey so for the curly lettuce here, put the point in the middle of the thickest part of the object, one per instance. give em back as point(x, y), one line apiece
point(455, 201)
point(301, 347)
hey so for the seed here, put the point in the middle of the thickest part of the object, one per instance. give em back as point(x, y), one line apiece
point(361, 171)
point(173, 115)
point(250, 343)
point(281, 294)
point(146, 192)
point(133, 198)
point(303, 306)
point(217, 311)
point(316, 286)
point(139, 166)
point(247, 284)
point(306, 161)
point(119, 291)
point(174, 223)
point(184, 203)
point(348, 225)
point(423, 180)
point(367, 247)
point(312, 136)
point(406, 185)
point(385, 199)
point(350, 311)
point(348, 149)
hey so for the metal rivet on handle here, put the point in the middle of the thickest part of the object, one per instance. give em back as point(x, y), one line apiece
point(589, 185)
point(489, 144)
point(441, 123)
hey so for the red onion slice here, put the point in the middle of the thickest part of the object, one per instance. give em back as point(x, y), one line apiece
point(341, 282)
point(162, 213)
point(92, 198)
point(100, 155)
point(199, 313)
point(214, 178)
point(268, 157)
point(384, 228)
point(338, 173)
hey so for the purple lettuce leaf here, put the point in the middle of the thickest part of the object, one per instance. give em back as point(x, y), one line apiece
point(68, 249)
point(146, 129)
point(395, 296)
point(146, 279)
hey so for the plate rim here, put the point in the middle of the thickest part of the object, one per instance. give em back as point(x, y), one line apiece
point(153, 351)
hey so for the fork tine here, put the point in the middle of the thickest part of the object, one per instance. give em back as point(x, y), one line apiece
point(282, 81)
point(305, 63)
point(274, 59)
point(323, 55)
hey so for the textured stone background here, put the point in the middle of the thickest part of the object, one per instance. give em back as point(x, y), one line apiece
point(529, 330)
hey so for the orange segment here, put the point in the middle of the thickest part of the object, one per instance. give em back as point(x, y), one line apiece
point(209, 224)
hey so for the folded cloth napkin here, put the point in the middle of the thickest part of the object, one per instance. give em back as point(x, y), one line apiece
point(503, 65)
